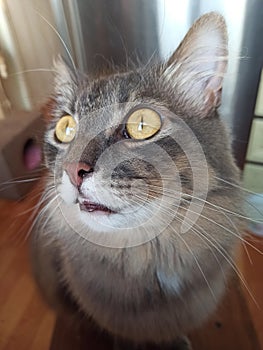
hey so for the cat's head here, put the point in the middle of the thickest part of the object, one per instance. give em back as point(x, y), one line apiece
point(128, 150)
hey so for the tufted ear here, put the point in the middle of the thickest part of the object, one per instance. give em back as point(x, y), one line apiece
point(196, 69)
point(65, 78)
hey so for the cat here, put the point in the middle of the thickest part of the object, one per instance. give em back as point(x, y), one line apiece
point(134, 230)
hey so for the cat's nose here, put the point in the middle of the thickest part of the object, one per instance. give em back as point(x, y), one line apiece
point(77, 171)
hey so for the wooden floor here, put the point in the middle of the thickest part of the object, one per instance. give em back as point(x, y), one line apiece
point(25, 321)
point(27, 324)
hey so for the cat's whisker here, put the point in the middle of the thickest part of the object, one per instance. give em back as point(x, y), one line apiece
point(127, 60)
point(163, 191)
point(208, 243)
point(256, 209)
point(191, 252)
point(150, 60)
point(226, 229)
point(196, 261)
point(226, 256)
point(194, 229)
point(11, 182)
point(44, 197)
point(238, 186)
point(237, 232)
point(36, 206)
point(35, 70)
point(25, 176)
point(43, 225)
point(221, 209)
point(39, 204)
point(44, 210)
point(243, 240)
point(218, 247)
point(59, 36)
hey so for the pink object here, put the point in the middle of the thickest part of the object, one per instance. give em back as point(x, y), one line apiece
point(32, 155)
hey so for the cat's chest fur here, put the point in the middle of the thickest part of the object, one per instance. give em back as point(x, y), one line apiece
point(146, 283)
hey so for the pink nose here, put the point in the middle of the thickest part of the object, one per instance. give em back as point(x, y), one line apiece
point(77, 172)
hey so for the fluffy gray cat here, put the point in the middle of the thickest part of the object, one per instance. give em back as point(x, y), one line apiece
point(134, 230)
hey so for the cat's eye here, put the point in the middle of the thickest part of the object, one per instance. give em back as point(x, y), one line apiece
point(143, 123)
point(66, 129)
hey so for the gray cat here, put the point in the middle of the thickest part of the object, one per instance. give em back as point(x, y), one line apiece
point(134, 230)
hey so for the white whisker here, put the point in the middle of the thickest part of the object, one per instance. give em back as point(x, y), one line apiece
point(59, 36)
point(32, 71)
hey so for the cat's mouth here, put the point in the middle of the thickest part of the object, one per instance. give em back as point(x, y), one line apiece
point(90, 207)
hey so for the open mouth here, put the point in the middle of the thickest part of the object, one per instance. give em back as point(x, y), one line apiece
point(94, 207)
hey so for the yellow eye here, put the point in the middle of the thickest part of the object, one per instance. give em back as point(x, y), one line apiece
point(66, 129)
point(143, 123)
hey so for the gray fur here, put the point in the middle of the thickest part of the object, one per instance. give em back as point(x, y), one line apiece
point(160, 289)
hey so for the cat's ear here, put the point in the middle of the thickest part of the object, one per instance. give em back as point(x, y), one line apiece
point(65, 81)
point(196, 69)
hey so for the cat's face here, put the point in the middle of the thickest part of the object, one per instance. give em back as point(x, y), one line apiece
point(128, 151)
